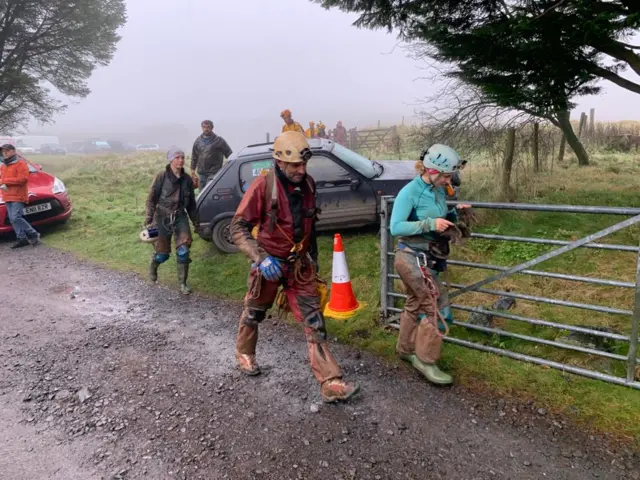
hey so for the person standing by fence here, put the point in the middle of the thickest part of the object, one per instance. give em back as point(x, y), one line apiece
point(419, 218)
point(340, 134)
point(311, 132)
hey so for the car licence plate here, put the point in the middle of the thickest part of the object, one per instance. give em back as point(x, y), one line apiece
point(43, 207)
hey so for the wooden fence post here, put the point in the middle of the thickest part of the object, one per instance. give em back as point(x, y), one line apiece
point(508, 162)
point(582, 124)
point(592, 119)
point(563, 145)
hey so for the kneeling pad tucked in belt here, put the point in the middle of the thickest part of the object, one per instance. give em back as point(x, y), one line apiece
point(428, 341)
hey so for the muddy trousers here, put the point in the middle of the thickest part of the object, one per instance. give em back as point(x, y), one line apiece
point(304, 303)
point(419, 333)
point(178, 228)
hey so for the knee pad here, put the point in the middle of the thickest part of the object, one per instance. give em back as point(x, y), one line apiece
point(252, 317)
point(160, 257)
point(316, 323)
point(182, 253)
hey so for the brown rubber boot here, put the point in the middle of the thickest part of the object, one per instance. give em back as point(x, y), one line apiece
point(247, 364)
point(337, 389)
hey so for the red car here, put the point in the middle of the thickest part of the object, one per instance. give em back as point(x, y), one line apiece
point(48, 203)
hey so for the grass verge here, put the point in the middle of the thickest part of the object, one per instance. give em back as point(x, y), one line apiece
point(108, 194)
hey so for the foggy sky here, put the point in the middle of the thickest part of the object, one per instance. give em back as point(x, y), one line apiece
point(239, 63)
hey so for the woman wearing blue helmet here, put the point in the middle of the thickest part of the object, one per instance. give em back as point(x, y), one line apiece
point(420, 215)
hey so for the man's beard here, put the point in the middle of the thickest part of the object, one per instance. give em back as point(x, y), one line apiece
point(289, 178)
point(296, 180)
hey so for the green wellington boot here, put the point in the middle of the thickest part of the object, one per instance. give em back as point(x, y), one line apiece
point(430, 370)
point(183, 273)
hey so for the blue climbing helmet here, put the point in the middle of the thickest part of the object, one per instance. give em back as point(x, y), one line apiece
point(442, 158)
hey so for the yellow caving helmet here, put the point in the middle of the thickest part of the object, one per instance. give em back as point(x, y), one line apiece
point(292, 147)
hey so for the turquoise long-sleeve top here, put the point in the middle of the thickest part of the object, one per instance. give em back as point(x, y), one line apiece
point(415, 210)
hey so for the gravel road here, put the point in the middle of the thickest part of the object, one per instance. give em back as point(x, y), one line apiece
point(105, 376)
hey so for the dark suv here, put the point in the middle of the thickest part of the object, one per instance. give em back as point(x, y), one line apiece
point(52, 149)
point(349, 188)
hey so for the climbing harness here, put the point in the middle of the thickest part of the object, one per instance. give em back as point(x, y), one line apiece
point(169, 218)
point(303, 268)
point(294, 258)
point(432, 287)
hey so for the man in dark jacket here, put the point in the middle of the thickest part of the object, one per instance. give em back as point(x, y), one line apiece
point(170, 204)
point(284, 253)
point(208, 154)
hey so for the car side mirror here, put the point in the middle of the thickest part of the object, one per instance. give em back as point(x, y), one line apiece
point(355, 184)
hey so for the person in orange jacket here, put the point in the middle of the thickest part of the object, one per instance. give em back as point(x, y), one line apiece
point(311, 132)
point(14, 176)
point(290, 125)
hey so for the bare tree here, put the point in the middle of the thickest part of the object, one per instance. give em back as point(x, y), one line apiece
point(459, 106)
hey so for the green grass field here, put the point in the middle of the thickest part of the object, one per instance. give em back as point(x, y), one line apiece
point(108, 194)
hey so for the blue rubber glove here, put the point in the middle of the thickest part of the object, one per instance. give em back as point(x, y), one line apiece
point(270, 269)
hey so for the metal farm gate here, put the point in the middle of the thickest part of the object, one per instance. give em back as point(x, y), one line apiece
point(389, 297)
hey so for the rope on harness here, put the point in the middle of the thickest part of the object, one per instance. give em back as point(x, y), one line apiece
point(169, 223)
point(169, 218)
point(435, 293)
point(256, 285)
point(282, 300)
point(298, 264)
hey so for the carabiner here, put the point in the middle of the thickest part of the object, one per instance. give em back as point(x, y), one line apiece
point(296, 248)
point(424, 266)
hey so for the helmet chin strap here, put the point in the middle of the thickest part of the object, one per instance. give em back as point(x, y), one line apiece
point(431, 179)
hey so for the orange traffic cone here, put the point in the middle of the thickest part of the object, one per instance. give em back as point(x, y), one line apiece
point(342, 302)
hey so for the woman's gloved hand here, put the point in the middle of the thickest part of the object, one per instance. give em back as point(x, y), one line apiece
point(270, 269)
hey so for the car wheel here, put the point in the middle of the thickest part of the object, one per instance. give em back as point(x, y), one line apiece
point(221, 236)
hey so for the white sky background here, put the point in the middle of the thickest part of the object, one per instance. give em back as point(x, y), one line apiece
point(241, 62)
